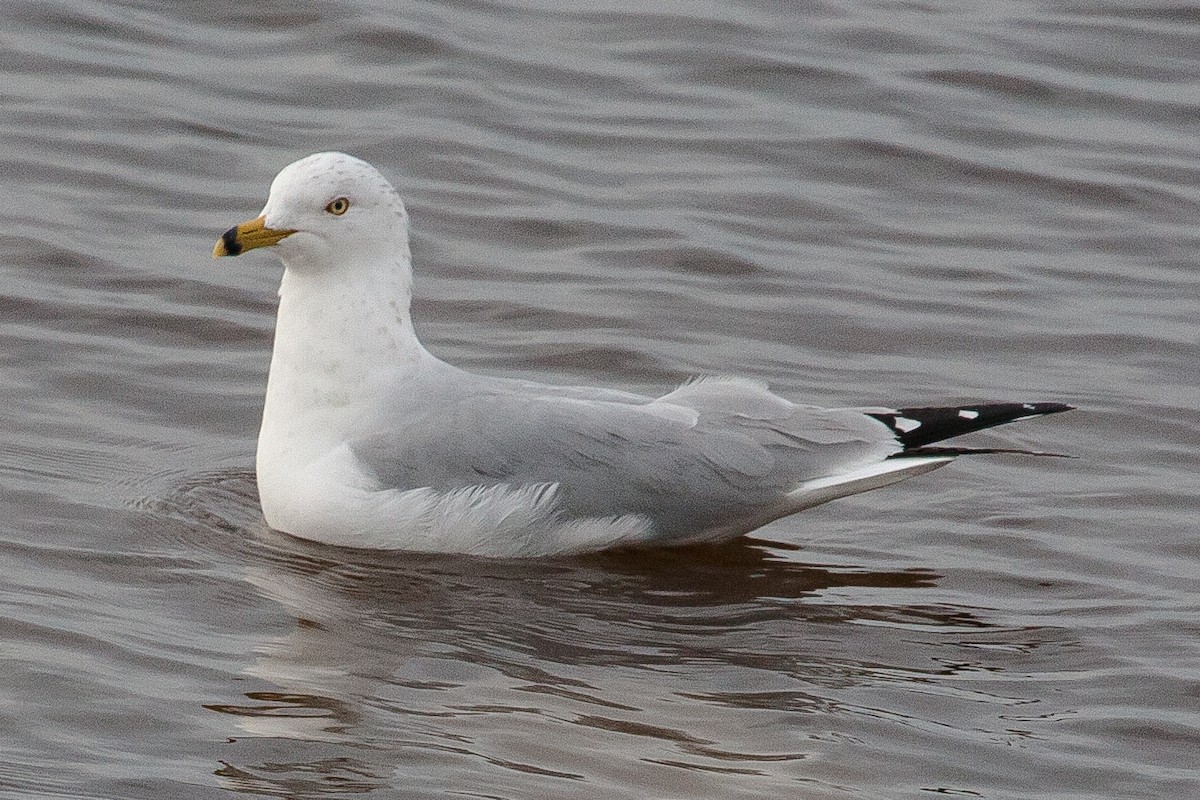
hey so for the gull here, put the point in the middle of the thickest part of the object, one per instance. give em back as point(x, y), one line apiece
point(368, 440)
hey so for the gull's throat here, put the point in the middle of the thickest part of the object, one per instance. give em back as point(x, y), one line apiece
point(343, 340)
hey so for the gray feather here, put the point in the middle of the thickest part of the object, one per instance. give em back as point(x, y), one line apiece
point(733, 457)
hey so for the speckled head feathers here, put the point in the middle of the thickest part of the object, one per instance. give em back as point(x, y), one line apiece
point(334, 213)
point(323, 177)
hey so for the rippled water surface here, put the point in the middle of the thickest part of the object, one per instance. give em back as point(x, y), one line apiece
point(861, 203)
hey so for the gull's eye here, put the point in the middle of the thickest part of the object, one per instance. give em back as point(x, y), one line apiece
point(338, 206)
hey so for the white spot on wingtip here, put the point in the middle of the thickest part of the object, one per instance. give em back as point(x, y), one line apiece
point(967, 413)
point(904, 424)
point(1027, 406)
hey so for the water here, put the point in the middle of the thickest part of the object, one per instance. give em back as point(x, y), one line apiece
point(859, 203)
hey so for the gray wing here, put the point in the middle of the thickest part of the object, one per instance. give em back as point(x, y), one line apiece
point(706, 455)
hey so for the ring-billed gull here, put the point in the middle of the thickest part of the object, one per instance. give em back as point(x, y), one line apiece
point(368, 440)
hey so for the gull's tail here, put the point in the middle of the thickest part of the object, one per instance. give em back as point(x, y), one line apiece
point(917, 428)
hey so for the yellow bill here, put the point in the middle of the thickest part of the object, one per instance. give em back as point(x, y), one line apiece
point(248, 236)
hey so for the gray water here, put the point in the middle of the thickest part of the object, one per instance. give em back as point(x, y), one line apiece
point(861, 203)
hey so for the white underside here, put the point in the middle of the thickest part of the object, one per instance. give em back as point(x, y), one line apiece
point(504, 520)
point(822, 490)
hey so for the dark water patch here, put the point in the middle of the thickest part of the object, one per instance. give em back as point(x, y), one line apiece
point(1059, 94)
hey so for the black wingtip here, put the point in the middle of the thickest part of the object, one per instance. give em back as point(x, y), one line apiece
point(934, 450)
point(917, 427)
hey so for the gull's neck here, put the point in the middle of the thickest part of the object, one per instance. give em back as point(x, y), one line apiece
point(343, 337)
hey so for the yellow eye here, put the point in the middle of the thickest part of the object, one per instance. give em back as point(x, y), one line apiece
point(338, 206)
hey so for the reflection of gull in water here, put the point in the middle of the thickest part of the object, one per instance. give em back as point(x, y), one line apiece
point(369, 440)
point(403, 670)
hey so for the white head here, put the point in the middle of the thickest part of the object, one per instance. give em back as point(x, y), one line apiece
point(325, 212)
